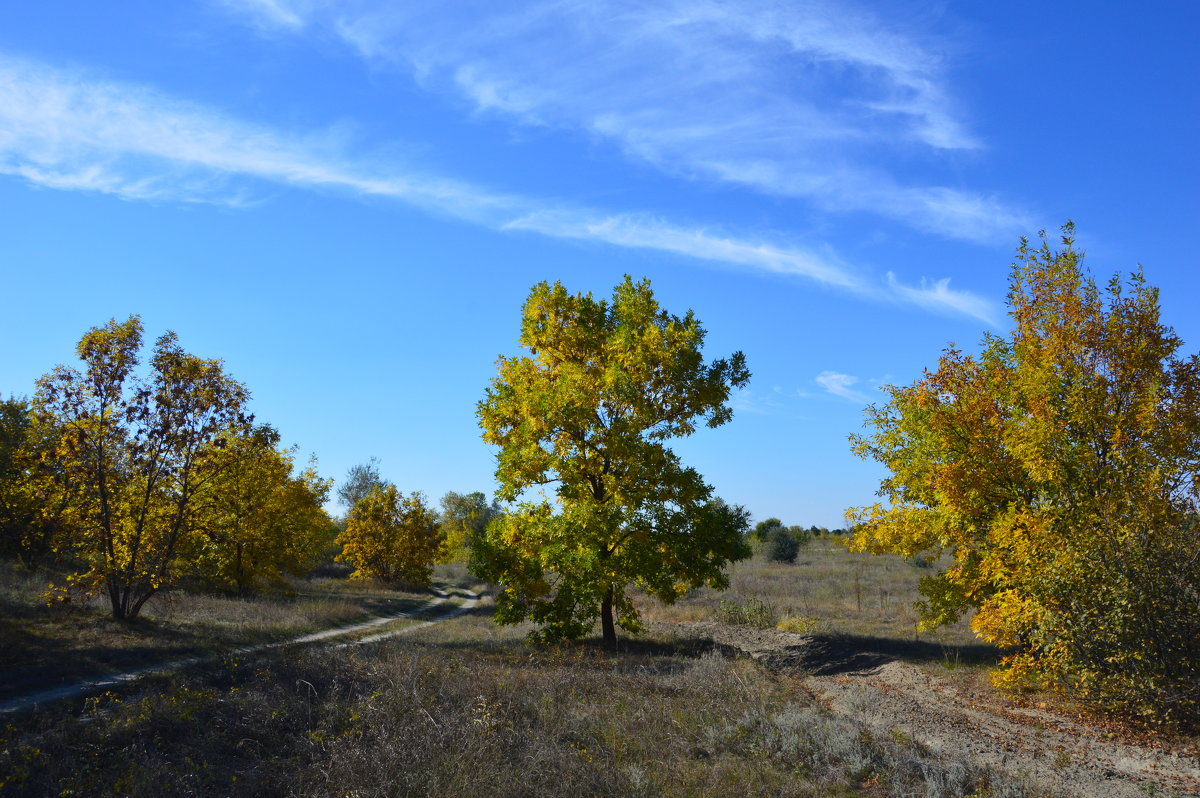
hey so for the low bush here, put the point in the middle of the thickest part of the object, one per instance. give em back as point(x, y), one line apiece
point(782, 546)
point(754, 612)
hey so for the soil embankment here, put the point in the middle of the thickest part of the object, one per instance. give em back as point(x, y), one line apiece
point(951, 715)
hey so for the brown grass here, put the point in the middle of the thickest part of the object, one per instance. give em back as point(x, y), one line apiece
point(469, 709)
point(841, 592)
point(46, 646)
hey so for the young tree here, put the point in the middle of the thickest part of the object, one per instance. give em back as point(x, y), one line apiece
point(463, 518)
point(1059, 467)
point(22, 526)
point(130, 456)
point(391, 537)
point(257, 518)
point(763, 529)
point(360, 480)
point(782, 546)
point(588, 411)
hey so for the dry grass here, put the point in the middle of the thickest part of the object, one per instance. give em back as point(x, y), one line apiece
point(845, 592)
point(47, 646)
point(469, 709)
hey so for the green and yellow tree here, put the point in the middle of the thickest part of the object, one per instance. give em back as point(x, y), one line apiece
point(587, 411)
point(391, 537)
point(463, 518)
point(258, 518)
point(130, 457)
point(1059, 468)
point(28, 515)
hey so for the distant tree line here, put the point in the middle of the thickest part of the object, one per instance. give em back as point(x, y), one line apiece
point(397, 538)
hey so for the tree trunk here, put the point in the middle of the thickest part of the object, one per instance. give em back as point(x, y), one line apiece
point(606, 620)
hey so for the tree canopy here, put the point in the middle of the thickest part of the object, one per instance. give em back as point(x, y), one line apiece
point(586, 413)
point(360, 480)
point(391, 537)
point(463, 518)
point(130, 455)
point(258, 518)
point(1059, 467)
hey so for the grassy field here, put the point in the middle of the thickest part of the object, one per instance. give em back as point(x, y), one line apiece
point(830, 591)
point(46, 646)
point(469, 708)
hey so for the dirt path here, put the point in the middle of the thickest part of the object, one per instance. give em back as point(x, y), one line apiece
point(91, 685)
point(948, 715)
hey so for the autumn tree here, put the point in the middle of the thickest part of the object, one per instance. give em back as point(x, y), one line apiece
point(587, 411)
point(360, 480)
point(763, 529)
point(258, 518)
point(18, 502)
point(391, 537)
point(1059, 468)
point(131, 456)
point(463, 518)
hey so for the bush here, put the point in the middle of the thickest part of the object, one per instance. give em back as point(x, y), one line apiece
point(755, 612)
point(800, 624)
point(782, 546)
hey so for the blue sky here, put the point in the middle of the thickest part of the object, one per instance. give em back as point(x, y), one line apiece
point(348, 201)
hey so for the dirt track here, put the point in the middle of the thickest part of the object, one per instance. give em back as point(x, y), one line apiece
point(949, 716)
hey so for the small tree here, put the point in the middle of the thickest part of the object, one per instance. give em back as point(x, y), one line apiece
point(763, 529)
point(360, 480)
point(782, 546)
point(463, 518)
point(588, 411)
point(391, 537)
point(1060, 468)
point(27, 520)
point(258, 519)
point(130, 456)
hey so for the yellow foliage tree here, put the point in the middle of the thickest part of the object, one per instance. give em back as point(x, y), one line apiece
point(1059, 468)
point(606, 384)
point(391, 537)
point(259, 520)
point(129, 457)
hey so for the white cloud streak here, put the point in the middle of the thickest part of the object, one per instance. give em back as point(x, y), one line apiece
point(67, 130)
point(841, 385)
point(938, 296)
point(805, 99)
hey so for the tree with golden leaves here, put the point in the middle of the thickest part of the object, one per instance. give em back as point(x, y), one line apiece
point(391, 537)
point(1059, 467)
point(588, 411)
point(130, 456)
point(259, 518)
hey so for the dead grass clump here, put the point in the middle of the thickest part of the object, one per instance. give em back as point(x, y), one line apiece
point(755, 612)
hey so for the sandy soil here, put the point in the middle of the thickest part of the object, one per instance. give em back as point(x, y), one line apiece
point(959, 716)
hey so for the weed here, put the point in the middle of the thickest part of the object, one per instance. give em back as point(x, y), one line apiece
point(755, 612)
point(800, 624)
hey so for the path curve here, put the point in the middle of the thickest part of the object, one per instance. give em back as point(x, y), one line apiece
point(889, 695)
point(85, 686)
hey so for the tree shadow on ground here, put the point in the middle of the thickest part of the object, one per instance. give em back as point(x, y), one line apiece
point(831, 655)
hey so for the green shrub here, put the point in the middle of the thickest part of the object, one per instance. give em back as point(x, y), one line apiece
point(782, 546)
point(755, 612)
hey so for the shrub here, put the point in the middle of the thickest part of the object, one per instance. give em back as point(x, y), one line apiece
point(755, 612)
point(782, 546)
point(799, 624)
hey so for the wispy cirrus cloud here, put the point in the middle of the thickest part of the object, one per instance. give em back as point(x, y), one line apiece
point(647, 232)
point(841, 385)
point(68, 130)
point(809, 100)
point(938, 296)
